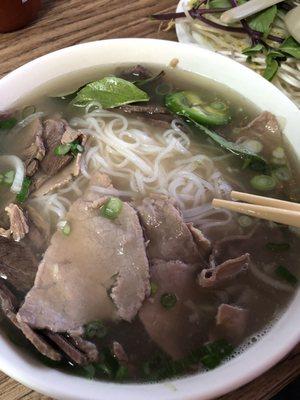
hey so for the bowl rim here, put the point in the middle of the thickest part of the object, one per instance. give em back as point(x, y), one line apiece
point(227, 377)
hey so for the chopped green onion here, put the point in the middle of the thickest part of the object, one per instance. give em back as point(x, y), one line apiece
point(283, 174)
point(263, 182)
point(112, 208)
point(154, 288)
point(210, 361)
point(9, 177)
point(8, 123)
point(29, 110)
point(89, 371)
point(245, 221)
point(104, 369)
point(62, 149)
point(168, 300)
point(95, 329)
point(278, 246)
point(66, 230)
point(122, 373)
point(22, 196)
point(252, 145)
point(279, 152)
point(285, 274)
point(65, 227)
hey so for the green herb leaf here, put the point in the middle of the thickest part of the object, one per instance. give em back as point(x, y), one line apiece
point(262, 21)
point(278, 246)
point(291, 47)
point(112, 208)
point(254, 49)
point(254, 160)
point(110, 92)
point(220, 4)
point(271, 68)
point(285, 274)
point(22, 196)
point(95, 329)
point(168, 300)
point(8, 123)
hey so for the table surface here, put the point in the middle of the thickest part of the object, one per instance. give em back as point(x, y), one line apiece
point(64, 23)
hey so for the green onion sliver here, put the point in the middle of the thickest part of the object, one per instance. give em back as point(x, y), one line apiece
point(283, 174)
point(62, 149)
point(65, 227)
point(245, 221)
point(153, 288)
point(168, 300)
point(112, 208)
point(285, 274)
point(28, 110)
point(263, 182)
point(8, 123)
point(23, 194)
point(8, 177)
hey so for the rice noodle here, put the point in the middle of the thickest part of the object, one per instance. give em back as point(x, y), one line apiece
point(275, 283)
point(140, 159)
point(231, 45)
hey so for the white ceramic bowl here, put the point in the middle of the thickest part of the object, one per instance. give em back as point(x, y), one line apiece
point(286, 332)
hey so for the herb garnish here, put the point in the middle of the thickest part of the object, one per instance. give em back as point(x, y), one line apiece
point(285, 274)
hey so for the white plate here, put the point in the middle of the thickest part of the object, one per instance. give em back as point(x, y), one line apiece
point(184, 34)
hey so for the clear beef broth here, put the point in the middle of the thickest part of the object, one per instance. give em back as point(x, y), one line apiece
point(256, 295)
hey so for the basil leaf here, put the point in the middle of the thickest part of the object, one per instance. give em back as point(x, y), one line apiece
point(262, 21)
point(223, 3)
point(220, 4)
point(110, 92)
point(252, 50)
point(271, 68)
point(291, 47)
point(277, 55)
point(234, 148)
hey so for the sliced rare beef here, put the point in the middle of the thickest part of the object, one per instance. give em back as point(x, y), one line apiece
point(174, 329)
point(100, 271)
point(9, 307)
point(231, 322)
point(18, 222)
point(31, 147)
point(220, 274)
point(18, 264)
point(52, 135)
point(51, 345)
point(266, 130)
point(169, 237)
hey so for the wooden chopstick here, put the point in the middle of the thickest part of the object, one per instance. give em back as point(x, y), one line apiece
point(283, 212)
point(265, 201)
